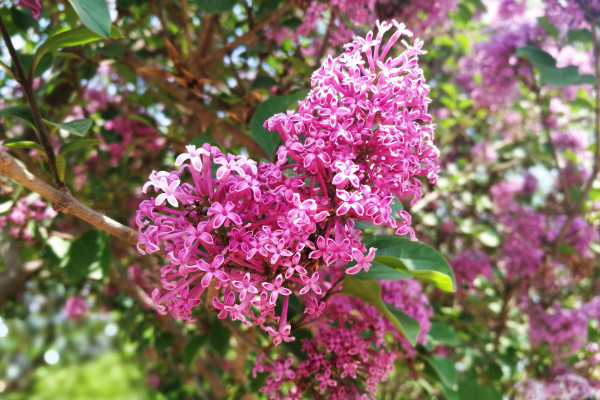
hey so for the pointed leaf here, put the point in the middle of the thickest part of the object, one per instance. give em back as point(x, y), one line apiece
point(21, 112)
point(536, 56)
point(370, 293)
point(567, 76)
point(78, 127)
point(87, 253)
point(444, 368)
point(379, 272)
point(15, 143)
point(78, 143)
point(414, 258)
point(74, 37)
point(94, 14)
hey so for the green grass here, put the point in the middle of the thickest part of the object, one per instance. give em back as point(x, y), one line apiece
point(107, 377)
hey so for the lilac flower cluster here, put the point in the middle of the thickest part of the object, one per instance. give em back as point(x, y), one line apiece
point(252, 234)
point(469, 264)
point(127, 135)
point(496, 64)
point(345, 16)
point(568, 386)
point(25, 210)
point(353, 333)
point(356, 353)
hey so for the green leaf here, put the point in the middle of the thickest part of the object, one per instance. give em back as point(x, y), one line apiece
point(87, 254)
point(216, 6)
point(22, 19)
point(192, 347)
point(414, 258)
point(379, 272)
point(61, 166)
point(579, 35)
point(566, 76)
point(444, 368)
point(441, 333)
point(21, 112)
point(74, 37)
point(78, 143)
point(551, 29)
point(94, 14)
point(15, 143)
point(536, 56)
point(269, 141)
point(78, 127)
point(370, 293)
point(219, 336)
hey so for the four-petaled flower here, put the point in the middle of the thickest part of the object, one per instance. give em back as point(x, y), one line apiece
point(212, 269)
point(169, 192)
point(223, 215)
point(276, 289)
point(362, 262)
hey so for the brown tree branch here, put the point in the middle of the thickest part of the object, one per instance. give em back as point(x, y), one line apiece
point(64, 201)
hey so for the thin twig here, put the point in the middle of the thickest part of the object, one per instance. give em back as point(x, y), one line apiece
point(41, 129)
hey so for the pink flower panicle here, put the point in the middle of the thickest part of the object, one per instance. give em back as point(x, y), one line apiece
point(259, 233)
point(356, 356)
point(26, 209)
point(469, 264)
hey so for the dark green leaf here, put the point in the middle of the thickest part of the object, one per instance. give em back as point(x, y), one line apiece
point(414, 258)
point(86, 254)
point(269, 141)
point(263, 82)
point(536, 56)
point(566, 76)
point(94, 14)
point(551, 29)
point(441, 333)
point(78, 143)
point(579, 35)
point(21, 112)
point(444, 368)
point(219, 336)
point(98, 188)
point(296, 346)
point(164, 340)
point(370, 293)
point(112, 50)
point(22, 19)
point(216, 6)
point(191, 349)
point(15, 143)
point(78, 127)
point(494, 371)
